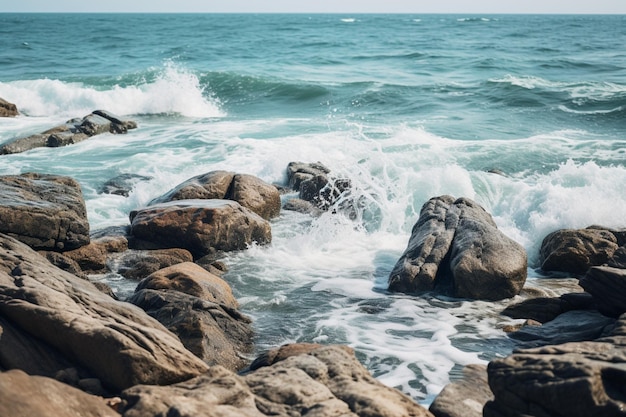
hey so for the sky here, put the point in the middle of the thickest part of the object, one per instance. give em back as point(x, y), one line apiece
point(318, 6)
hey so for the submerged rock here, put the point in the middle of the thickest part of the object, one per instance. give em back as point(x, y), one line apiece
point(73, 131)
point(456, 248)
point(122, 184)
point(249, 191)
point(200, 226)
point(44, 211)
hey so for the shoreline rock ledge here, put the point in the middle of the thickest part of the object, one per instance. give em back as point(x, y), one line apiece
point(456, 249)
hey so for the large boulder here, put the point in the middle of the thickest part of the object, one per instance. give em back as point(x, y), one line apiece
point(58, 320)
point(73, 131)
point(7, 109)
point(249, 191)
point(576, 250)
point(607, 286)
point(456, 248)
point(328, 381)
point(200, 226)
point(583, 379)
point(23, 395)
point(43, 211)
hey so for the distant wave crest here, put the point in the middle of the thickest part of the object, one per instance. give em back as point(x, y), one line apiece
point(173, 90)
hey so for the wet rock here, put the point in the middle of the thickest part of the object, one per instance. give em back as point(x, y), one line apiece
point(302, 206)
point(283, 352)
point(607, 285)
point(60, 321)
point(24, 395)
point(7, 109)
point(249, 191)
point(573, 379)
point(138, 264)
point(315, 185)
point(465, 397)
point(544, 309)
point(73, 131)
point(327, 381)
point(44, 211)
point(92, 258)
point(200, 226)
point(122, 184)
point(456, 248)
point(216, 333)
point(576, 250)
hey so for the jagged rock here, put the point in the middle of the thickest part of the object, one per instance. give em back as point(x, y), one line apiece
point(73, 131)
point(7, 109)
point(582, 379)
point(249, 191)
point(456, 248)
point(316, 186)
point(465, 397)
point(216, 333)
point(576, 250)
point(200, 226)
point(44, 211)
point(22, 395)
point(58, 321)
point(327, 381)
point(122, 184)
point(607, 285)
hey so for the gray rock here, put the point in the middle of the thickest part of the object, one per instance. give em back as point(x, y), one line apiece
point(465, 397)
point(200, 226)
point(122, 184)
point(457, 249)
point(607, 285)
point(44, 211)
point(315, 185)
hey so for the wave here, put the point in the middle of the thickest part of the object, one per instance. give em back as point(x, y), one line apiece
point(171, 90)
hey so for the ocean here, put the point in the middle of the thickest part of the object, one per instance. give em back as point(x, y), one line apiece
point(525, 114)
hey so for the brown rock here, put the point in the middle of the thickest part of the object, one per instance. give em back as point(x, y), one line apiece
point(22, 395)
point(54, 311)
point(138, 264)
point(191, 279)
point(249, 191)
point(200, 226)
point(7, 109)
point(44, 211)
point(286, 351)
point(607, 286)
point(576, 250)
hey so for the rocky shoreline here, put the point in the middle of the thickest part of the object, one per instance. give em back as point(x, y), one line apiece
point(180, 346)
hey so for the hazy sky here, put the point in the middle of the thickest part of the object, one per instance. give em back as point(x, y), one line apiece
point(319, 6)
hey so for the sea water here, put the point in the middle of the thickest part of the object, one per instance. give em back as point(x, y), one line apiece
point(524, 114)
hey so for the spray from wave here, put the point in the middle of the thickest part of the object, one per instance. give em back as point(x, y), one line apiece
point(174, 90)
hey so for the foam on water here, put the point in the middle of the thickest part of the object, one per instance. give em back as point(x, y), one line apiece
point(175, 90)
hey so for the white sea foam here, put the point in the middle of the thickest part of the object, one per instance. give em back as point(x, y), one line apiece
point(174, 91)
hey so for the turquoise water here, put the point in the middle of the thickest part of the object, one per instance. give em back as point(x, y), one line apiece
point(407, 106)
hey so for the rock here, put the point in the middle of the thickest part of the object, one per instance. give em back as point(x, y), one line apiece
point(64, 262)
point(457, 249)
point(574, 379)
point(576, 250)
point(285, 351)
point(44, 211)
point(24, 395)
point(619, 258)
point(122, 184)
point(544, 309)
point(62, 321)
point(572, 326)
point(465, 397)
point(316, 186)
point(302, 206)
point(200, 226)
point(7, 109)
point(607, 285)
point(327, 381)
point(191, 279)
point(138, 264)
point(249, 191)
point(215, 333)
point(73, 131)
